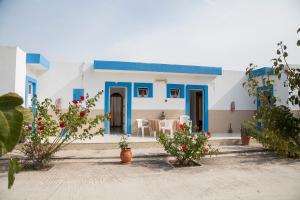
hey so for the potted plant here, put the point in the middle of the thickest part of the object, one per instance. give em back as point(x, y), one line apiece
point(125, 154)
point(245, 133)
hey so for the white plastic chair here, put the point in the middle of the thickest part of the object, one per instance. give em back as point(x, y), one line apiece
point(185, 119)
point(143, 124)
point(166, 125)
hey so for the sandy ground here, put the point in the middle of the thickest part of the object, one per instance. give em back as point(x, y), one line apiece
point(243, 176)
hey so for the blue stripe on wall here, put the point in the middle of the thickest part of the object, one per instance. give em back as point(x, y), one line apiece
point(152, 67)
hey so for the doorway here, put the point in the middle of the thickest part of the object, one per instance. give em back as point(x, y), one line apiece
point(30, 91)
point(196, 109)
point(117, 110)
point(202, 105)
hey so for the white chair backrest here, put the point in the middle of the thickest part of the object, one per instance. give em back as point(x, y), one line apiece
point(184, 119)
point(142, 122)
point(139, 122)
point(167, 123)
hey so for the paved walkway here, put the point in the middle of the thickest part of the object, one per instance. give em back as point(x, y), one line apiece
point(255, 176)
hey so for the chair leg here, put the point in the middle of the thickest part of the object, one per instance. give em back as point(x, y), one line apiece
point(143, 129)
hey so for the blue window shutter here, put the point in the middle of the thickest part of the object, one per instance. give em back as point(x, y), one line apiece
point(77, 93)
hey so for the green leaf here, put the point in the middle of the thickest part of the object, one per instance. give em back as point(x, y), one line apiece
point(298, 43)
point(298, 30)
point(278, 52)
point(27, 114)
point(13, 168)
point(285, 54)
point(10, 128)
point(10, 100)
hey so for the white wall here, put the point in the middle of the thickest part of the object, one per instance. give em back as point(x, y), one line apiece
point(12, 70)
point(59, 81)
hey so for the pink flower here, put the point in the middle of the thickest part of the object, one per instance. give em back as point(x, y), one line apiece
point(62, 124)
point(208, 134)
point(180, 126)
point(82, 113)
point(41, 128)
point(81, 98)
point(75, 102)
point(206, 149)
point(184, 147)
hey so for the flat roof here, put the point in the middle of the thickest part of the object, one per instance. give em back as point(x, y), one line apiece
point(154, 67)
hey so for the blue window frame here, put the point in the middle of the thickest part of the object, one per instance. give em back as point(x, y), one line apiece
point(143, 90)
point(175, 91)
point(77, 93)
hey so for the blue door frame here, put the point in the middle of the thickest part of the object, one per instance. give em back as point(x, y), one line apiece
point(204, 88)
point(34, 88)
point(128, 86)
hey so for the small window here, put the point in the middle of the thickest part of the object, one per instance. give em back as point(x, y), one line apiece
point(29, 89)
point(143, 92)
point(175, 93)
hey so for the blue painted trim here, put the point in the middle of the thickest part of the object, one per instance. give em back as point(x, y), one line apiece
point(175, 86)
point(204, 88)
point(143, 85)
point(28, 80)
point(77, 93)
point(35, 58)
point(263, 88)
point(262, 71)
point(152, 67)
point(128, 86)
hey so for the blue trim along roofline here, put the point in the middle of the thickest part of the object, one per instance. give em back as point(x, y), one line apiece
point(128, 86)
point(28, 80)
point(152, 67)
point(262, 71)
point(36, 58)
point(204, 88)
point(175, 86)
point(143, 85)
point(77, 93)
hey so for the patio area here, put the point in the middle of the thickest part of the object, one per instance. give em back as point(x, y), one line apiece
point(115, 138)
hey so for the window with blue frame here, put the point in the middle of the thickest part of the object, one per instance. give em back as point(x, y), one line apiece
point(143, 90)
point(77, 93)
point(175, 91)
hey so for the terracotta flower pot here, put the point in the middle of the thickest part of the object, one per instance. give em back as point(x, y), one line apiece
point(126, 155)
point(245, 140)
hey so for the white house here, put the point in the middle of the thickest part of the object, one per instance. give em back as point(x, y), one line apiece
point(213, 97)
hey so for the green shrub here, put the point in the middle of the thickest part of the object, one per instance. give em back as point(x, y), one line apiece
point(53, 129)
point(185, 146)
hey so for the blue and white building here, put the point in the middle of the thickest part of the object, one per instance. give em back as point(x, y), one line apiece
point(213, 97)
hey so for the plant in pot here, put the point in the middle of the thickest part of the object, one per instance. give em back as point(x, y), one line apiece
point(126, 154)
point(245, 133)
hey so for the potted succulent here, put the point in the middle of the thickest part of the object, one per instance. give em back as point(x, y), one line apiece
point(245, 134)
point(125, 154)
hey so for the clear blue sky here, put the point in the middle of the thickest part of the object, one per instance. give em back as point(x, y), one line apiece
point(227, 33)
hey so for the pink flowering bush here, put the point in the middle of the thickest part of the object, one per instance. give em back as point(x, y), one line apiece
point(187, 147)
point(52, 129)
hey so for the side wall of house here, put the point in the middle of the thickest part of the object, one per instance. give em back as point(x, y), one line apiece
point(12, 70)
point(62, 78)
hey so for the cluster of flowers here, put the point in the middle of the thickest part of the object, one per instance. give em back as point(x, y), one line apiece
point(185, 147)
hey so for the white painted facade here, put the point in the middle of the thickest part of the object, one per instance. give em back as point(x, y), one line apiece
point(61, 78)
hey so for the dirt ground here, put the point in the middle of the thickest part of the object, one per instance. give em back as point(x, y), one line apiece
point(243, 176)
